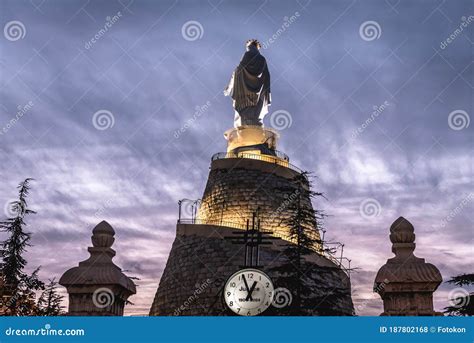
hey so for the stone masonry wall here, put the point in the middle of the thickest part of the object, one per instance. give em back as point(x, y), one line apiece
point(201, 261)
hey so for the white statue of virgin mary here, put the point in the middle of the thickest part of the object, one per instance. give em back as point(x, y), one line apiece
point(249, 87)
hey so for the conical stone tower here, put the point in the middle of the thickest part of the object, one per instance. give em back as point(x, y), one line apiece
point(250, 179)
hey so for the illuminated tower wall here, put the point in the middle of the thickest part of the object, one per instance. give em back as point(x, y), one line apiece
point(243, 182)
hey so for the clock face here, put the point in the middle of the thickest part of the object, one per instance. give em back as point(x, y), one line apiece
point(248, 292)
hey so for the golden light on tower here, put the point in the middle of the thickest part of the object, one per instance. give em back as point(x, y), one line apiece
point(247, 142)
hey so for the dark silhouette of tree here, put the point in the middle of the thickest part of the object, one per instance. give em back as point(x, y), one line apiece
point(292, 273)
point(295, 273)
point(49, 302)
point(461, 305)
point(21, 286)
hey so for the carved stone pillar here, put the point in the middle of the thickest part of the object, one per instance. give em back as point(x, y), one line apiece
point(97, 287)
point(406, 283)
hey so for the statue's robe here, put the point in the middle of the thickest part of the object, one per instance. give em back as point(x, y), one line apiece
point(249, 87)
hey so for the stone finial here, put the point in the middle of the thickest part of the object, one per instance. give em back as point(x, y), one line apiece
point(402, 231)
point(97, 287)
point(406, 283)
point(103, 235)
point(402, 236)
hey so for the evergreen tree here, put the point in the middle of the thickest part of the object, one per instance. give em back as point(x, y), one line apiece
point(461, 305)
point(292, 273)
point(296, 274)
point(20, 284)
point(50, 301)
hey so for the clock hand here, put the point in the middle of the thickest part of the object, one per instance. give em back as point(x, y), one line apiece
point(245, 282)
point(249, 295)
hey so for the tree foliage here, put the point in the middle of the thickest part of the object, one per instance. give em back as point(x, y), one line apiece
point(19, 285)
point(50, 301)
point(461, 305)
point(296, 273)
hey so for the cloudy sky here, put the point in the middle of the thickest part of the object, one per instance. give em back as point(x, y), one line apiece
point(369, 95)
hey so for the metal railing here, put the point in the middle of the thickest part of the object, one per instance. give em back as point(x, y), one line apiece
point(282, 155)
point(281, 161)
point(189, 207)
point(212, 222)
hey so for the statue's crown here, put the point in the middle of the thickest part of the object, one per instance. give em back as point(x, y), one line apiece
point(253, 42)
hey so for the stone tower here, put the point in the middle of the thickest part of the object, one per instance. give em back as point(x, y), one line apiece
point(406, 283)
point(97, 287)
point(250, 179)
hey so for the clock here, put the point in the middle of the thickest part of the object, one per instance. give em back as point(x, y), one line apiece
point(248, 292)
